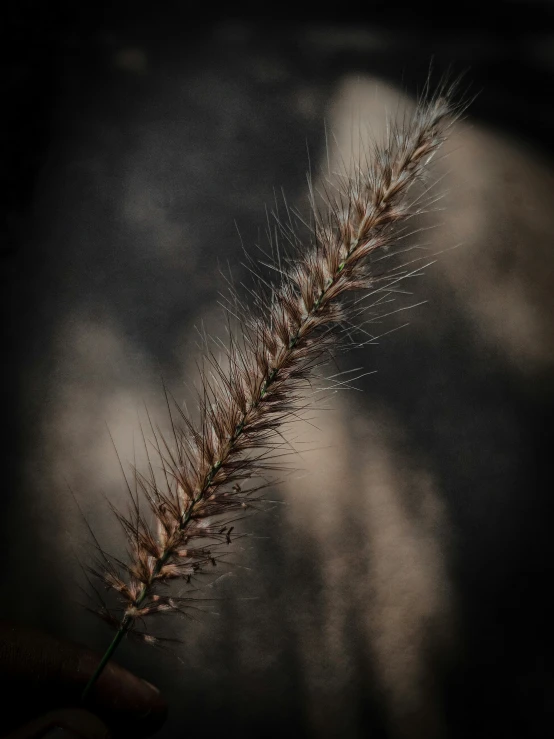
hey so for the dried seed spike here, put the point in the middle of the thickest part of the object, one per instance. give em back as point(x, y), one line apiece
point(255, 388)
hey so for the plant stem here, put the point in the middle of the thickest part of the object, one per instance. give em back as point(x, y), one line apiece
point(106, 658)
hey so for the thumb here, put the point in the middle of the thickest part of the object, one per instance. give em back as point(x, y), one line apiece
point(64, 724)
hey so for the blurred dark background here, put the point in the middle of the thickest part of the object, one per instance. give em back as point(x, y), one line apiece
point(134, 136)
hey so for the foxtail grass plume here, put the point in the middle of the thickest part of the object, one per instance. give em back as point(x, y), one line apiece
point(211, 468)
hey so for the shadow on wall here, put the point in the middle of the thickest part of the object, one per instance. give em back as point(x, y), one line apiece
point(400, 590)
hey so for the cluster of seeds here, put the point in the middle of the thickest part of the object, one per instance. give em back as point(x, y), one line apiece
point(210, 469)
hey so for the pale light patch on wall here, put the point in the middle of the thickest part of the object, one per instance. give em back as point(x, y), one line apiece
point(357, 116)
point(98, 391)
point(379, 526)
point(411, 604)
point(316, 505)
point(500, 212)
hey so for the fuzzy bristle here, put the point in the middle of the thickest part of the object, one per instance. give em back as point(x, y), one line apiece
point(210, 468)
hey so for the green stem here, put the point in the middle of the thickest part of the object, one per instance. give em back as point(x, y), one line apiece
point(123, 628)
point(106, 658)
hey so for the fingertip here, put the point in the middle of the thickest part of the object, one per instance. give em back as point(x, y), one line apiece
point(125, 696)
point(51, 672)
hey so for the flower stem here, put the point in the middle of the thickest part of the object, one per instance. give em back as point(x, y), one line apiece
point(120, 633)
